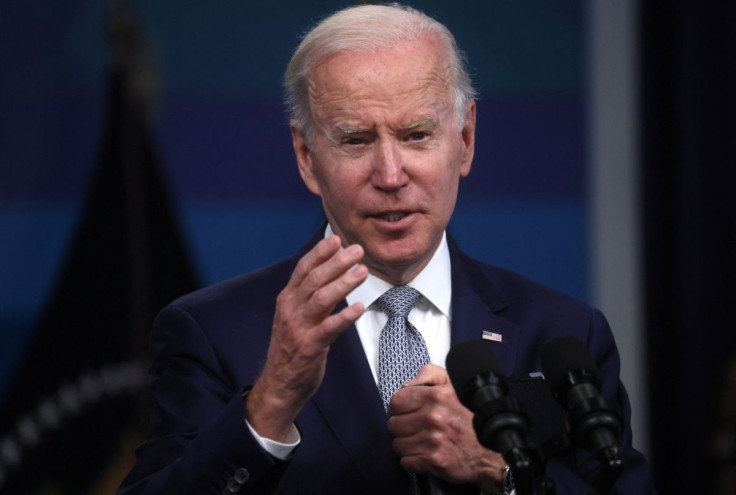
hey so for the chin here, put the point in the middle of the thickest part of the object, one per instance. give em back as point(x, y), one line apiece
point(394, 259)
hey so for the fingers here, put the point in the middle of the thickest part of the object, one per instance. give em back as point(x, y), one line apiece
point(433, 432)
point(420, 391)
point(321, 279)
point(320, 253)
point(417, 409)
point(303, 329)
point(429, 375)
point(334, 325)
point(324, 264)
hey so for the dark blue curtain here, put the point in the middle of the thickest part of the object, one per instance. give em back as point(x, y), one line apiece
point(689, 155)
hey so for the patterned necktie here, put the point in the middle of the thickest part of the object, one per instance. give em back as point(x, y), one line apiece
point(401, 348)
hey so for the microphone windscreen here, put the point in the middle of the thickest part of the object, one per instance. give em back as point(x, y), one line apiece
point(465, 361)
point(562, 355)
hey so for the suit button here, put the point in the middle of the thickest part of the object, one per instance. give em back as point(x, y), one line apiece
point(241, 475)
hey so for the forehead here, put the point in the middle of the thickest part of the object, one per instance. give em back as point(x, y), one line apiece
point(412, 74)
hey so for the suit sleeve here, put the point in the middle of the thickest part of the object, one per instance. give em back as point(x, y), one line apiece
point(635, 478)
point(198, 442)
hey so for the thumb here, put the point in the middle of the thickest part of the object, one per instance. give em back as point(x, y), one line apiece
point(429, 375)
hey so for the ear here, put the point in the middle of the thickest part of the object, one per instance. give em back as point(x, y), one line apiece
point(304, 158)
point(468, 136)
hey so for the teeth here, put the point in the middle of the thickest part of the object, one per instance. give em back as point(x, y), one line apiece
point(393, 217)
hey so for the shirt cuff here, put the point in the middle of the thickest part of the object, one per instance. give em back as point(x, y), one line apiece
point(279, 450)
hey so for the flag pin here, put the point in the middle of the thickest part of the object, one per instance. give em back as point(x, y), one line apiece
point(492, 336)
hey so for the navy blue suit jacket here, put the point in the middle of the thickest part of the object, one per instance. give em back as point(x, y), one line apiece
point(209, 346)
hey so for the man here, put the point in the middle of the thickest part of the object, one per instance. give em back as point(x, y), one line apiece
point(280, 381)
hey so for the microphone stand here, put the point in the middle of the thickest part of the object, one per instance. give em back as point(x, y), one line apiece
point(609, 459)
point(500, 425)
point(528, 474)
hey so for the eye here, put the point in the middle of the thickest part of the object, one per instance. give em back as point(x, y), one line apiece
point(418, 136)
point(354, 141)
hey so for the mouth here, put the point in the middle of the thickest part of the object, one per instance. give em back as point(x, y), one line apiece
point(393, 216)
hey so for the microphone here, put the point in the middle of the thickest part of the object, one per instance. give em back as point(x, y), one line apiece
point(593, 422)
point(499, 424)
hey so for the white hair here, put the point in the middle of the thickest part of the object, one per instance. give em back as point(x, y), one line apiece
point(368, 28)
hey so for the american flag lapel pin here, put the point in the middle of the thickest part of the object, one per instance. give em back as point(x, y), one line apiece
point(492, 336)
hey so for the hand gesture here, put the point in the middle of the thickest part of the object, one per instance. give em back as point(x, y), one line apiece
point(303, 329)
point(433, 433)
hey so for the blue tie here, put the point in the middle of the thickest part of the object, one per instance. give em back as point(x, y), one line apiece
point(401, 348)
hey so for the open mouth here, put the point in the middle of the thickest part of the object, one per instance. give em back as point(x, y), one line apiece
point(393, 216)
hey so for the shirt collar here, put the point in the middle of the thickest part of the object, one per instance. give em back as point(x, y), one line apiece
point(434, 282)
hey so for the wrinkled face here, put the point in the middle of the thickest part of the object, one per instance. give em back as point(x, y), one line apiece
point(387, 153)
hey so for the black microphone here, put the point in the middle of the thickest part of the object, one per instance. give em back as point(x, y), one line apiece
point(593, 422)
point(499, 424)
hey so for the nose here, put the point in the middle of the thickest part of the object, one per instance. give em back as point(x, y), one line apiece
point(388, 167)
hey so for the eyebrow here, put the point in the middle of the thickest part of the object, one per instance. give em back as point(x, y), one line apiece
point(347, 130)
point(340, 132)
point(431, 121)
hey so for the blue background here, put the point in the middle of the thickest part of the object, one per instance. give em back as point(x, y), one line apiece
point(222, 137)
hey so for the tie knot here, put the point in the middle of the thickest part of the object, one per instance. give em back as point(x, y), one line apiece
point(398, 301)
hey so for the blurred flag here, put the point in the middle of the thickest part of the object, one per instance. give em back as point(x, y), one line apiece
point(75, 402)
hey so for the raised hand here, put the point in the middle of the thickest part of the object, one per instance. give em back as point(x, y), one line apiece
point(303, 329)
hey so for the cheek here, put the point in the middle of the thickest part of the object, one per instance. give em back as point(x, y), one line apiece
point(339, 188)
point(442, 184)
point(443, 194)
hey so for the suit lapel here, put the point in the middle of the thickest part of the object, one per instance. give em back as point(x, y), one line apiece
point(349, 402)
point(477, 306)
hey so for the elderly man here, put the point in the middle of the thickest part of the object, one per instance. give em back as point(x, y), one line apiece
point(324, 373)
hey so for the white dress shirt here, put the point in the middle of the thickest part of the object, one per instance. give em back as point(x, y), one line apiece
point(430, 316)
